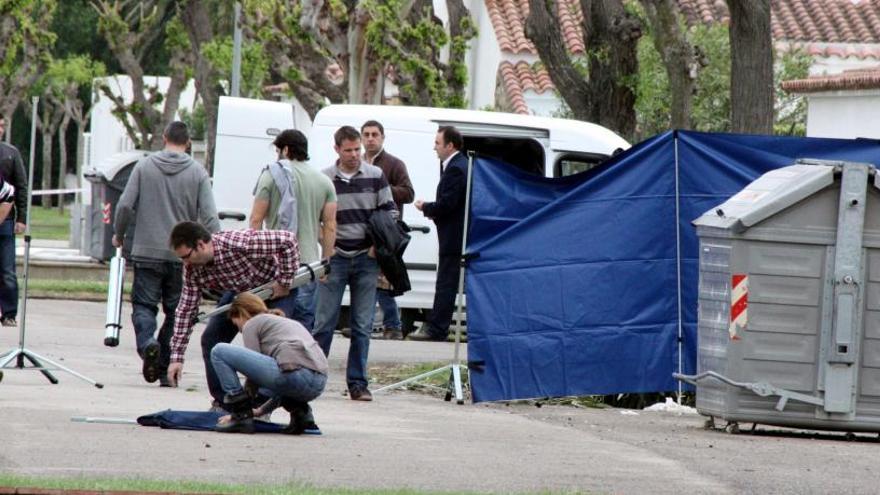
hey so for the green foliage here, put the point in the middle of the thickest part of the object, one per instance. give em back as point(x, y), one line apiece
point(195, 121)
point(27, 16)
point(74, 71)
point(413, 49)
point(254, 63)
point(711, 105)
point(790, 108)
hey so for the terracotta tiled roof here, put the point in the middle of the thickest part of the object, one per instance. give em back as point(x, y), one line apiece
point(704, 11)
point(508, 19)
point(826, 21)
point(522, 77)
point(860, 51)
point(868, 78)
point(807, 21)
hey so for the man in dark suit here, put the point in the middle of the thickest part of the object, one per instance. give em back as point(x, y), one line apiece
point(448, 213)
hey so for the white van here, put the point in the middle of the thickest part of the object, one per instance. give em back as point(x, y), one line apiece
point(543, 146)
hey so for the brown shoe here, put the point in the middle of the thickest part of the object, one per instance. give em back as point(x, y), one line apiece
point(360, 393)
point(392, 334)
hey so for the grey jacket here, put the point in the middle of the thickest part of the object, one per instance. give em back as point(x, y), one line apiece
point(164, 189)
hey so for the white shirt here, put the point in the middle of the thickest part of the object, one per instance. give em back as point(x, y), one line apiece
point(446, 161)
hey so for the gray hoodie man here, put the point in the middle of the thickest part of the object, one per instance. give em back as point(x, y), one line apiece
point(164, 189)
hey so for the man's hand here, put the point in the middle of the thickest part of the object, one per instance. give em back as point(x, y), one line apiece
point(175, 371)
point(418, 204)
point(323, 278)
point(117, 242)
point(19, 227)
point(372, 252)
point(279, 290)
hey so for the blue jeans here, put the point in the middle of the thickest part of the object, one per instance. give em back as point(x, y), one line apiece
point(359, 274)
point(8, 281)
point(220, 329)
point(306, 302)
point(155, 282)
point(302, 385)
point(390, 313)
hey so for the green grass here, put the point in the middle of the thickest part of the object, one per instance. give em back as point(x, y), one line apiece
point(49, 223)
point(141, 485)
point(71, 286)
point(436, 385)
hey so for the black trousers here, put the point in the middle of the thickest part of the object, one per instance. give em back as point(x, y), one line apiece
point(444, 296)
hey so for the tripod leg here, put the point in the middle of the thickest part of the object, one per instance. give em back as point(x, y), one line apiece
point(456, 383)
point(38, 365)
point(32, 355)
point(7, 357)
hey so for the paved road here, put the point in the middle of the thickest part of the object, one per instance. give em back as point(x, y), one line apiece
point(400, 440)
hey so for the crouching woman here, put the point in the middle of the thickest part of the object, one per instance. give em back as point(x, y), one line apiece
point(279, 356)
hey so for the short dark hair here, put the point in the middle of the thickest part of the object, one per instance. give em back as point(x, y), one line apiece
point(346, 133)
point(296, 143)
point(188, 234)
point(176, 132)
point(373, 123)
point(451, 135)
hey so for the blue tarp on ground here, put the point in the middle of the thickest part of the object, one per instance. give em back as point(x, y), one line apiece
point(588, 284)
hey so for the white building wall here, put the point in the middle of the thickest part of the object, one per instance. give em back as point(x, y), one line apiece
point(844, 114)
point(482, 59)
point(836, 65)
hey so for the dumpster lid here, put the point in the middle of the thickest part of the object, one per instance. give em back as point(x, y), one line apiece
point(113, 164)
point(768, 195)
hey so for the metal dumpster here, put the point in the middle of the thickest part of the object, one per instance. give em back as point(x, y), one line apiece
point(789, 300)
point(108, 180)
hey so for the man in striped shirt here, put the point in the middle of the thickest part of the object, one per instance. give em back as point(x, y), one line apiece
point(361, 189)
point(232, 262)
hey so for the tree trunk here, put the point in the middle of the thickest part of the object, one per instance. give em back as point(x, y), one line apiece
point(679, 58)
point(198, 27)
point(612, 43)
point(458, 12)
point(365, 74)
point(751, 67)
point(62, 158)
point(46, 182)
point(542, 28)
point(607, 96)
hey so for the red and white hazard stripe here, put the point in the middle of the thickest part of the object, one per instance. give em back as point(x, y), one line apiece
point(105, 213)
point(739, 303)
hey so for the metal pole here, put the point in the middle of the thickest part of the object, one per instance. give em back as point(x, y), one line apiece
point(678, 263)
point(236, 51)
point(35, 101)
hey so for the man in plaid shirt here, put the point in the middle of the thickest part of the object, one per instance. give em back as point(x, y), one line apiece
point(233, 262)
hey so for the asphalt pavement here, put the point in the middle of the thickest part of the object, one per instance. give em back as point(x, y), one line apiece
point(400, 440)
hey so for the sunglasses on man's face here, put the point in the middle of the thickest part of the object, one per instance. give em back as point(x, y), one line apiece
point(187, 255)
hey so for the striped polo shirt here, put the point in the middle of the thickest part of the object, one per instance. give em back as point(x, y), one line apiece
point(356, 199)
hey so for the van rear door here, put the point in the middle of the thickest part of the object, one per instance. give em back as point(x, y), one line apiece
point(245, 131)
